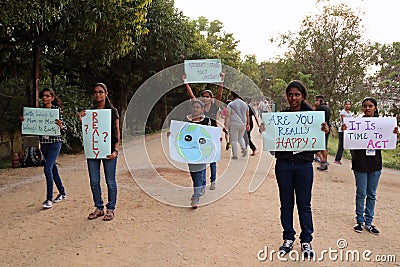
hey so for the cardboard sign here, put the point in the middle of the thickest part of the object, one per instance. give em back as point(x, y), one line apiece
point(96, 131)
point(293, 131)
point(194, 143)
point(370, 133)
point(203, 71)
point(40, 121)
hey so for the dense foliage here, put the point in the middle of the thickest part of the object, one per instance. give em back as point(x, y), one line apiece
point(71, 44)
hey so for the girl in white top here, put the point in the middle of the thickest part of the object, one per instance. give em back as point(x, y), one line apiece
point(346, 112)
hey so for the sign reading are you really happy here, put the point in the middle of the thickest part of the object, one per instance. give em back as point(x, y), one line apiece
point(40, 121)
point(203, 71)
point(293, 131)
point(370, 133)
point(96, 131)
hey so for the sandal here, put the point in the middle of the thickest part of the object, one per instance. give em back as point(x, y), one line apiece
point(109, 215)
point(96, 214)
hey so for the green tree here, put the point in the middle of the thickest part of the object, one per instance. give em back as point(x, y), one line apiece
point(329, 46)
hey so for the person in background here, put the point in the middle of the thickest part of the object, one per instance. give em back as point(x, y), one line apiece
point(367, 169)
point(51, 146)
point(247, 136)
point(211, 106)
point(101, 101)
point(237, 122)
point(346, 112)
point(320, 105)
point(294, 174)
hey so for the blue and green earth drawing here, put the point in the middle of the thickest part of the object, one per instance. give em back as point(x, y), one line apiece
point(194, 143)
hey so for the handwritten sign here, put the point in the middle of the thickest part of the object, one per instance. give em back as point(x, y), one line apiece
point(40, 121)
point(293, 131)
point(194, 143)
point(203, 71)
point(370, 133)
point(96, 131)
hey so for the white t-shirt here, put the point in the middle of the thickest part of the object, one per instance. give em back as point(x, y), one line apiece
point(344, 114)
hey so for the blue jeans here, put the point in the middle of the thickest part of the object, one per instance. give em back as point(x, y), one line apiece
point(295, 179)
point(50, 152)
point(110, 166)
point(366, 183)
point(198, 174)
point(213, 169)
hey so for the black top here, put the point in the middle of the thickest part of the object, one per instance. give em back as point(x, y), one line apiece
point(205, 121)
point(362, 163)
point(327, 110)
point(212, 114)
point(305, 156)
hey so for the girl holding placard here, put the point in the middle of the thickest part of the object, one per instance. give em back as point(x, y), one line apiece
point(101, 101)
point(367, 167)
point(51, 146)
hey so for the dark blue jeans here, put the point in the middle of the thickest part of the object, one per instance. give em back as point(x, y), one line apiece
point(295, 183)
point(340, 149)
point(110, 167)
point(198, 174)
point(213, 170)
point(50, 152)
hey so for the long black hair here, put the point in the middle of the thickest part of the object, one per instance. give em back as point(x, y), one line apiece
point(302, 88)
point(108, 102)
point(56, 101)
point(373, 100)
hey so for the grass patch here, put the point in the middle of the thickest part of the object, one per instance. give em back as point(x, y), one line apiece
point(5, 163)
point(390, 158)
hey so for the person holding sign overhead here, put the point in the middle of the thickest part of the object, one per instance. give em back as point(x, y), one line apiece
point(51, 146)
point(101, 101)
point(367, 168)
point(211, 111)
point(294, 174)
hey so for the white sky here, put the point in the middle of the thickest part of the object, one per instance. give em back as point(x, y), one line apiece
point(254, 22)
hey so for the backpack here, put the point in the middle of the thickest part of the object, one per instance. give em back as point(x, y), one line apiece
point(33, 157)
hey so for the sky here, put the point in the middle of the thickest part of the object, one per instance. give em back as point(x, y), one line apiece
point(254, 22)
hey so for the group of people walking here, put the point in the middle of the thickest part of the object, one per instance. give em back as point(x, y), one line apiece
point(293, 170)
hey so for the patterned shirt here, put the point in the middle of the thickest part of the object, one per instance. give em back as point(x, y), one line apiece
point(47, 139)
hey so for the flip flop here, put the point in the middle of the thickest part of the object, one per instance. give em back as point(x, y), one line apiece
point(96, 214)
point(109, 215)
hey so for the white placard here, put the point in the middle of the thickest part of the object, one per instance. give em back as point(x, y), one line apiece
point(369, 133)
point(96, 131)
point(194, 143)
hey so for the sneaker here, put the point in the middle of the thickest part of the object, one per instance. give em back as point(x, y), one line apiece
point(323, 166)
point(307, 250)
point(234, 157)
point(47, 204)
point(194, 203)
point(244, 152)
point(372, 229)
point(203, 191)
point(212, 186)
point(286, 247)
point(59, 198)
point(358, 227)
point(338, 162)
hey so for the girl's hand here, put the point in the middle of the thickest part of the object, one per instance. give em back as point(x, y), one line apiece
point(112, 155)
point(82, 114)
point(59, 123)
point(396, 130)
point(344, 127)
point(261, 128)
point(325, 127)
